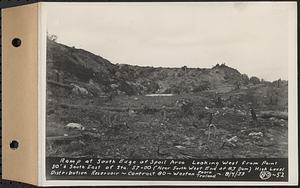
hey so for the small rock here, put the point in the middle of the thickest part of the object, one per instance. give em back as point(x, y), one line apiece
point(131, 112)
point(75, 126)
point(180, 147)
point(216, 113)
point(241, 112)
point(169, 142)
point(256, 134)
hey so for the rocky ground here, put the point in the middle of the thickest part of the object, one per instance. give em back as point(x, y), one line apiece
point(168, 126)
point(96, 108)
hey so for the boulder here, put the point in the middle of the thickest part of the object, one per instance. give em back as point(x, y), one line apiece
point(75, 126)
point(79, 90)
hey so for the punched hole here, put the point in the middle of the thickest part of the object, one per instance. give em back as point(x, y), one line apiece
point(16, 42)
point(14, 144)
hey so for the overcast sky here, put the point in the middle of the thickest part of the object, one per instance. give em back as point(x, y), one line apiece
point(254, 38)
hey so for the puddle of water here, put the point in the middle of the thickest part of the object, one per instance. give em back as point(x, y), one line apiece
point(159, 95)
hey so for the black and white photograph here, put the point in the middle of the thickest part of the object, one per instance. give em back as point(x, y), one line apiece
point(167, 80)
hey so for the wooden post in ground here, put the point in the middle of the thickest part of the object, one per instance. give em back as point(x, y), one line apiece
point(164, 113)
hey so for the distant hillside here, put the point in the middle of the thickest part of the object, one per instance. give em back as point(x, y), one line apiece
point(70, 65)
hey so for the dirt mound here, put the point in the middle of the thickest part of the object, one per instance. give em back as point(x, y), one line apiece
point(69, 64)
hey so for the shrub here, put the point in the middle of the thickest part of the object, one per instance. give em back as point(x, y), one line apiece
point(254, 80)
point(201, 87)
point(148, 110)
point(245, 79)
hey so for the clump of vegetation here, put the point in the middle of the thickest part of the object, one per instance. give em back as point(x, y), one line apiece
point(254, 80)
point(202, 87)
point(148, 110)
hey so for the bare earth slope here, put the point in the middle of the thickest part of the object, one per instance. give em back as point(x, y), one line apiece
point(82, 66)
